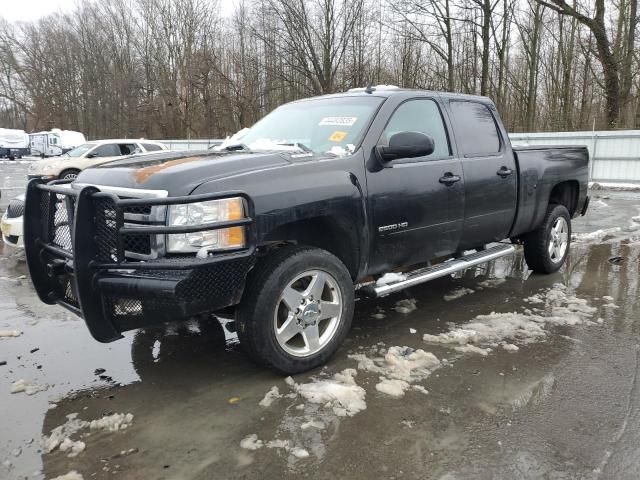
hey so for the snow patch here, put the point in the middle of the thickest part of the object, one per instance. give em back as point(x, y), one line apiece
point(251, 442)
point(28, 388)
point(457, 293)
point(596, 236)
point(390, 277)
point(406, 305)
point(271, 396)
point(72, 475)
point(112, 423)
point(399, 368)
point(10, 333)
point(393, 387)
point(341, 393)
point(413, 330)
point(492, 282)
point(561, 308)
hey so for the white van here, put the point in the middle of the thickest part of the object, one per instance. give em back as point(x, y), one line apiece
point(13, 143)
point(54, 142)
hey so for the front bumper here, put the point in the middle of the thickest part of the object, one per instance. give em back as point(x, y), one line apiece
point(11, 231)
point(79, 248)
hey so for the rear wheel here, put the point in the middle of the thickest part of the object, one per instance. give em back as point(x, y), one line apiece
point(297, 309)
point(546, 248)
point(69, 174)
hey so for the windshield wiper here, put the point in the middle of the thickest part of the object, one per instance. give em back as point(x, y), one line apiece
point(299, 145)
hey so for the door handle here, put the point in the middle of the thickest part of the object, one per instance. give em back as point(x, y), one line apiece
point(504, 172)
point(449, 179)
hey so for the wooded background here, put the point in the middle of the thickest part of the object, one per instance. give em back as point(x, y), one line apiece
point(180, 69)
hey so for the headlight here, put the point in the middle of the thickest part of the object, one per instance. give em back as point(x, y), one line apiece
point(194, 214)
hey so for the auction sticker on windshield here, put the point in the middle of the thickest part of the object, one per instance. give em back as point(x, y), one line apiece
point(337, 136)
point(338, 121)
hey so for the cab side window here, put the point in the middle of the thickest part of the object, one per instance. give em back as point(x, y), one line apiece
point(107, 150)
point(476, 129)
point(151, 147)
point(128, 148)
point(423, 116)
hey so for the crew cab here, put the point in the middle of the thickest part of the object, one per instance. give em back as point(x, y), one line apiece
point(90, 154)
point(320, 198)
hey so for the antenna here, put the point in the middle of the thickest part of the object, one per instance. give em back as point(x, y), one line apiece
point(369, 88)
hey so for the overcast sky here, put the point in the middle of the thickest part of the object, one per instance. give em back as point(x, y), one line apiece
point(27, 10)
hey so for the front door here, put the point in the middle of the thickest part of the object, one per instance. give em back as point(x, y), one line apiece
point(416, 203)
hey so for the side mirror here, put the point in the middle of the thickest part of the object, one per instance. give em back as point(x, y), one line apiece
point(92, 155)
point(407, 145)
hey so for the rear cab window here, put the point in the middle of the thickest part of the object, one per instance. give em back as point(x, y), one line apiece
point(476, 129)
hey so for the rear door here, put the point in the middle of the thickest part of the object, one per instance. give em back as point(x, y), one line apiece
point(489, 172)
point(416, 203)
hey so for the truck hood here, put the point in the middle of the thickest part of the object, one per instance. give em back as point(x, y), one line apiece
point(178, 172)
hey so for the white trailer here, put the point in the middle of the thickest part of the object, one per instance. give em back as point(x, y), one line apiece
point(13, 143)
point(54, 142)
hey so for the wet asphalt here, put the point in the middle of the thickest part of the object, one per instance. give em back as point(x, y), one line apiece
point(567, 407)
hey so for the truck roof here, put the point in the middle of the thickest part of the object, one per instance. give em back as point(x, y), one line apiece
point(387, 91)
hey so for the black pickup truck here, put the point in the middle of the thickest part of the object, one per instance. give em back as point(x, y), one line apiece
point(320, 198)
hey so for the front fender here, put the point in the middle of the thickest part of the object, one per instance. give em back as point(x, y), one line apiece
point(330, 188)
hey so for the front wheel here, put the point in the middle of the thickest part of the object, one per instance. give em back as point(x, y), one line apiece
point(296, 310)
point(69, 174)
point(546, 249)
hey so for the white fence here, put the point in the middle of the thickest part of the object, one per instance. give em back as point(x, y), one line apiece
point(615, 155)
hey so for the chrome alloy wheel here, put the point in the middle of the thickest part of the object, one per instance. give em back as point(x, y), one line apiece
point(558, 240)
point(308, 313)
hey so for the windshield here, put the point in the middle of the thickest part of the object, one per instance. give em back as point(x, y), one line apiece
point(81, 150)
point(328, 125)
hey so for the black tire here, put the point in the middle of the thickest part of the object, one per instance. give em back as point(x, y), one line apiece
point(69, 174)
point(536, 243)
point(266, 282)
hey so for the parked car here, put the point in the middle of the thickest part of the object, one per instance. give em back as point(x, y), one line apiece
point(55, 142)
point(90, 154)
point(319, 198)
point(11, 222)
point(13, 143)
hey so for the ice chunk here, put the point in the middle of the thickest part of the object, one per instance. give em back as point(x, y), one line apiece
point(10, 333)
point(270, 397)
point(392, 387)
point(72, 475)
point(74, 447)
point(112, 423)
point(299, 452)
point(420, 389)
point(607, 298)
point(469, 348)
point(401, 363)
point(27, 387)
point(405, 306)
point(251, 442)
point(510, 347)
point(313, 424)
point(457, 293)
point(413, 330)
point(492, 282)
point(340, 393)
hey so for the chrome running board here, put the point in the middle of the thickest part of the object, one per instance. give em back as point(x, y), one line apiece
point(423, 275)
